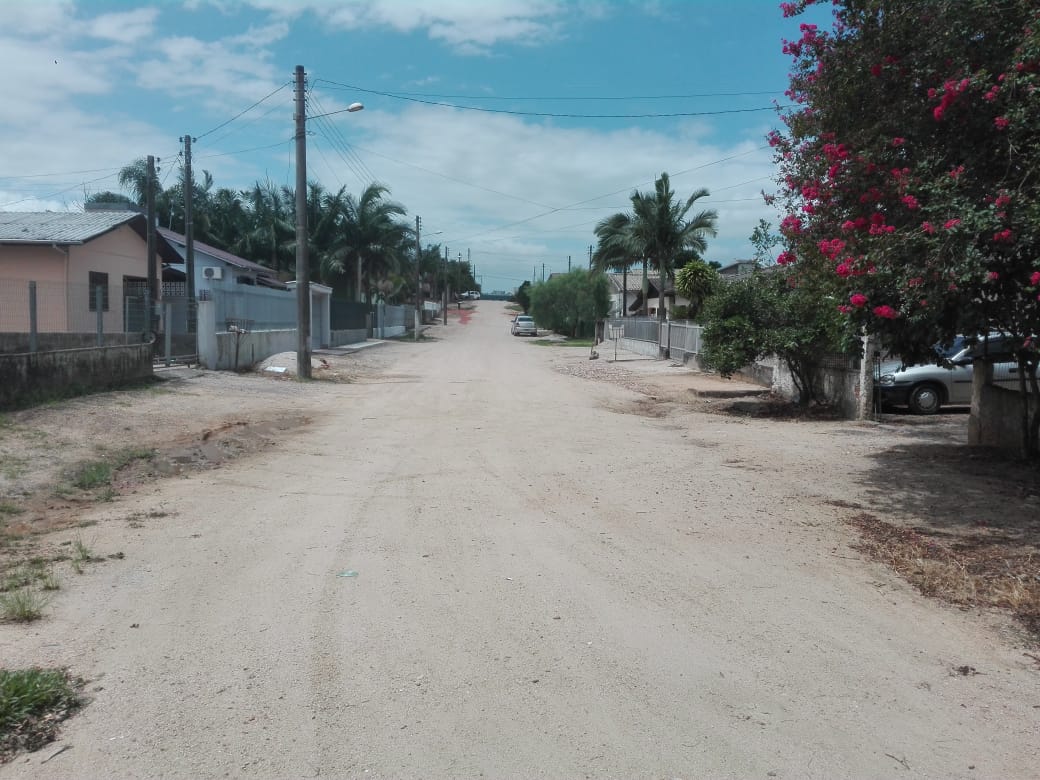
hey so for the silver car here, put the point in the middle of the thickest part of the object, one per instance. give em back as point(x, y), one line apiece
point(926, 388)
point(524, 326)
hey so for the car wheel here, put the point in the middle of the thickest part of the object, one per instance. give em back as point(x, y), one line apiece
point(925, 399)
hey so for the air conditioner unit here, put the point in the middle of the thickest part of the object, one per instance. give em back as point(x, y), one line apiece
point(214, 272)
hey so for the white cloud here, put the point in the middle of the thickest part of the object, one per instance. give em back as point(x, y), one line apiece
point(470, 27)
point(128, 27)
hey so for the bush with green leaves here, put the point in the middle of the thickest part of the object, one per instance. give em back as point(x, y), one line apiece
point(760, 315)
point(571, 303)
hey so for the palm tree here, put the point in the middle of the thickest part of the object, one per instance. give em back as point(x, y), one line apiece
point(271, 226)
point(663, 228)
point(369, 239)
point(616, 251)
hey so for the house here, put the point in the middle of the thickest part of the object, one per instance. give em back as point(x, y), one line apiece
point(738, 268)
point(216, 269)
point(76, 259)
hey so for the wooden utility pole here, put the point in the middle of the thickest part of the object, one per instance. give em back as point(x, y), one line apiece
point(418, 277)
point(303, 270)
point(189, 227)
point(153, 284)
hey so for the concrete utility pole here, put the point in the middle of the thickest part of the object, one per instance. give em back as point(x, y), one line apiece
point(568, 263)
point(543, 272)
point(418, 280)
point(444, 311)
point(189, 232)
point(303, 270)
point(590, 257)
point(153, 284)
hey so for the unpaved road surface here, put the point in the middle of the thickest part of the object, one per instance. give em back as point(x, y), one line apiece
point(479, 565)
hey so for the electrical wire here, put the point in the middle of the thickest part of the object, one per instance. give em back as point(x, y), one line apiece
point(244, 111)
point(243, 151)
point(347, 148)
point(548, 114)
point(346, 87)
point(59, 192)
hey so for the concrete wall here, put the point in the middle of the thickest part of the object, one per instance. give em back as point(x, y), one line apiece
point(19, 342)
point(341, 337)
point(26, 379)
point(234, 351)
point(996, 412)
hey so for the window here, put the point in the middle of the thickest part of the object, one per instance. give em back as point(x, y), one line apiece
point(98, 280)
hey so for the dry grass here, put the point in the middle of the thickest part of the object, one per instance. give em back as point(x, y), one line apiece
point(976, 570)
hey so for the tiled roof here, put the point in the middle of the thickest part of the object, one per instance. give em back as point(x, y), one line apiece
point(635, 280)
point(219, 254)
point(59, 227)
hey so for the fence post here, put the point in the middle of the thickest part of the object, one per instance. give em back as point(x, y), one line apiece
point(98, 300)
point(167, 334)
point(33, 342)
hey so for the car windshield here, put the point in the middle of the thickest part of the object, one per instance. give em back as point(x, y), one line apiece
point(951, 351)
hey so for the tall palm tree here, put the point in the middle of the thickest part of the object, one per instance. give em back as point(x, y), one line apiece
point(271, 226)
point(616, 251)
point(369, 239)
point(664, 228)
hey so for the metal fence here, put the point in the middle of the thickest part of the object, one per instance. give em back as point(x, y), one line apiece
point(638, 328)
point(349, 315)
point(684, 339)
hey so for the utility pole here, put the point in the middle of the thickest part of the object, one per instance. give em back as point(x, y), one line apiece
point(153, 285)
point(418, 281)
point(444, 311)
point(303, 270)
point(543, 272)
point(568, 263)
point(534, 273)
point(590, 257)
point(189, 231)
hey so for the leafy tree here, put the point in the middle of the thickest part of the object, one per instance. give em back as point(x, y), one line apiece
point(523, 296)
point(696, 281)
point(763, 239)
point(759, 315)
point(107, 197)
point(571, 303)
point(617, 251)
point(908, 171)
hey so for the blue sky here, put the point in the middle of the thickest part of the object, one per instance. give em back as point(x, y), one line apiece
point(97, 84)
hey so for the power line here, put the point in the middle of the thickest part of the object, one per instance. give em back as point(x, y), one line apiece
point(344, 149)
point(244, 111)
point(546, 113)
point(59, 192)
point(562, 97)
point(243, 151)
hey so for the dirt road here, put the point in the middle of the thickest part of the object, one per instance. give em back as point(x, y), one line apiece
point(481, 566)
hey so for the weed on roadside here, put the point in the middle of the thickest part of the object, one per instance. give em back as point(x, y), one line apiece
point(22, 606)
point(98, 473)
point(972, 571)
point(7, 508)
point(33, 702)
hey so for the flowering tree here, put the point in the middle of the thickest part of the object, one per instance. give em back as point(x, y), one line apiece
point(910, 170)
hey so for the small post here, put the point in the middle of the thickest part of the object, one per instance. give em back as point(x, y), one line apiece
point(33, 325)
point(167, 335)
point(865, 402)
point(98, 300)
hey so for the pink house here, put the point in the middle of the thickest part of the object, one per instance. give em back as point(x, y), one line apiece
point(71, 256)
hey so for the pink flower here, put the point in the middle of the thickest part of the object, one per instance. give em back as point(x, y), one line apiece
point(791, 224)
point(897, 141)
point(1035, 278)
point(1001, 123)
point(858, 299)
point(911, 202)
point(917, 281)
point(950, 224)
point(991, 95)
point(956, 172)
point(875, 70)
point(993, 276)
point(1002, 200)
point(844, 270)
point(927, 227)
point(886, 312)
point(786, 258)
point(848, 225)
point(789, 9)
point(1003, 237)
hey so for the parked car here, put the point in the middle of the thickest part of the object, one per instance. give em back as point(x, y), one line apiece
point(473, 295)
point(926, 388)
point(524, 325)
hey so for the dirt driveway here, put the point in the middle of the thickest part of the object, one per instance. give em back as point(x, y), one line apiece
point(470, 558)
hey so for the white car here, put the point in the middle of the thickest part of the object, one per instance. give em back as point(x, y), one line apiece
point(524, 325)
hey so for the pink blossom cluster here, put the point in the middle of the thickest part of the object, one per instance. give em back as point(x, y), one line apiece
point(791, 225)
point(786, 258)
point(1003, 237)
point(831, 249)
point(951, 90)
point(885, 312)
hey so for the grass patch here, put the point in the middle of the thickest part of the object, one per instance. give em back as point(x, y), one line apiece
point(587, 343)
point(974, 570)
point(7, 509)
point(22, 606)
point(98, 473)
point(13, 467)
point(34, 573)
point(33, 702)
